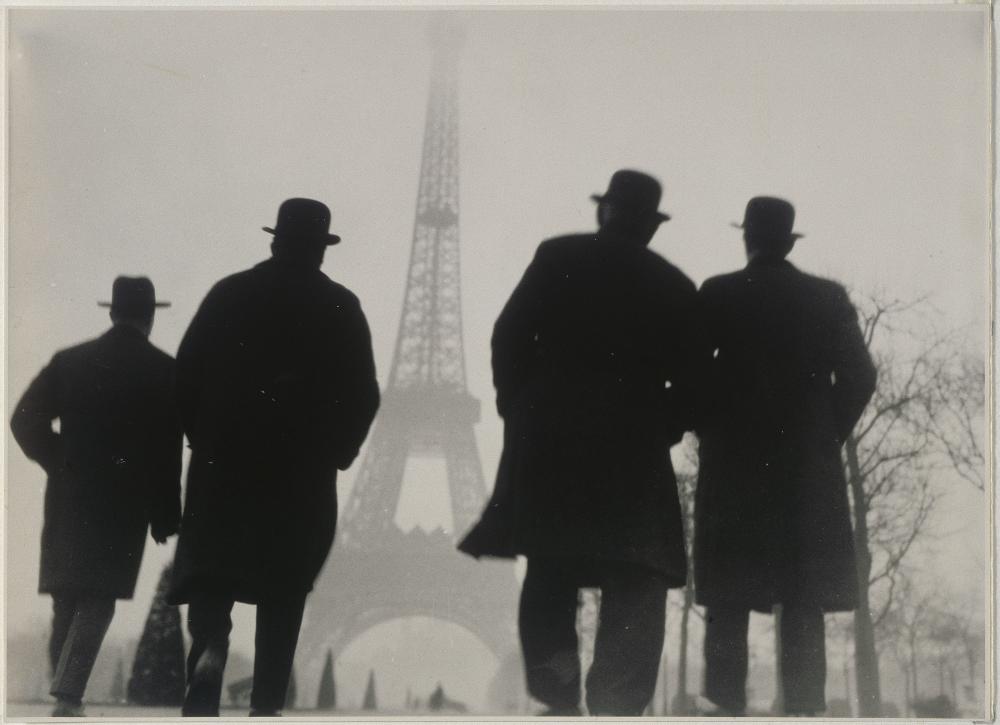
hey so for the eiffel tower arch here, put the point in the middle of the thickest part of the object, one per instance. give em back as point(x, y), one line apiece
point(376, 572)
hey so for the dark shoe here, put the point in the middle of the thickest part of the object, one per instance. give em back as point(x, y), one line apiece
point(265, 713)
point(204, 685)
point(67, 707)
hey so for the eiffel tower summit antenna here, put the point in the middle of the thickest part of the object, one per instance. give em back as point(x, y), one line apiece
point(377, 572)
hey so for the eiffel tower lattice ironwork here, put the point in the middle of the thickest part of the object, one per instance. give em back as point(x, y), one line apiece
point(376, 572)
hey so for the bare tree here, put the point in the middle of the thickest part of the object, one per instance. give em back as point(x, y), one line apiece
point(922, 427)
point(971, 632)
point(904, 630)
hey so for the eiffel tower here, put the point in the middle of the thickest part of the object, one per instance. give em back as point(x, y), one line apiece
point(376, 572)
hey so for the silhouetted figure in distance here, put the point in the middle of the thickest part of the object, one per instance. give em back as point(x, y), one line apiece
point(113, 471)
point(593, 362)
point(789, 376)
point(276, 388)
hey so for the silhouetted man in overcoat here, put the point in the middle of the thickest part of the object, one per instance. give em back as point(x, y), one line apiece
point(114, 470)
point(277, 390)
point(789, 376)
point(593, 359)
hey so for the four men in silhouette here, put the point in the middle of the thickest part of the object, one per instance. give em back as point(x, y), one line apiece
point(594, 361)
point(604, 355)
point(276, 389)
point(113, 468)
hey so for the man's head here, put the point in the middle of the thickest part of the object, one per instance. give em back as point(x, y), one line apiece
point(767, 227)
point(133, 303)
point(630, 205)
point(302, 232)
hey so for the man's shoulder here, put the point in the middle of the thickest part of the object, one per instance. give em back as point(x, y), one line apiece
point(565, 244)
point(159, 357)
point(816, 288)
point(724, 280)
point(827, 287)
point(668, 270)
point(233, 281)
point(338, 291)
point(82, 350)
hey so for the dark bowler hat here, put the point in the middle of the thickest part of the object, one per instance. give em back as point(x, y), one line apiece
point(771, 217)
point(133, 297)
point(303, 219)
point(634, 190)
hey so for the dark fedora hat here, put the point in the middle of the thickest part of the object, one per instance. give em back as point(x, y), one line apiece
point(771, 217)
point(634, 190)
point(133, 297)
point(304, 219)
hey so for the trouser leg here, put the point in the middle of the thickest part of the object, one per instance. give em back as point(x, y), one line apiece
point(209, 624)
point(803, 659)
point(547, 625)
point(629, 641)
point(91, 618)
point(63, 607)
point(726, 657)
point(278, 624)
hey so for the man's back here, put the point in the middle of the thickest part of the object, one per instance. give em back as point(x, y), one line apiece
point(114, 465)
point(276, 387)
point(609, 323)
point(117, 396)
point(789, 376)
point(270, 364)
point(787, 351)
point(593, 363)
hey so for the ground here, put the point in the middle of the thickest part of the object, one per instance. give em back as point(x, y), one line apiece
point(24, 710)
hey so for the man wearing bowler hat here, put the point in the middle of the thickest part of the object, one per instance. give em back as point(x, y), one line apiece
point(276, 389)
point(594, 362)
point(113, 469)
point(788, 377)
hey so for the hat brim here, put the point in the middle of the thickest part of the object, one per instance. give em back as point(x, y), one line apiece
point(155, 304)
point(792, 235)
point(602, 197)
point(331, 239)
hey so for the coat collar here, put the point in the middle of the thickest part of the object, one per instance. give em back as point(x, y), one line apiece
point(120, 331)
point(758, 262)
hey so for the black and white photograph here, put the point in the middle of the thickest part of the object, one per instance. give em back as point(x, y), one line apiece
point(505, 361)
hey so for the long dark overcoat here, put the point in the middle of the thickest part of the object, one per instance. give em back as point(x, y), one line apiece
point(277, 390)
point(789, 377)
point(113, 468)
point(583, 354)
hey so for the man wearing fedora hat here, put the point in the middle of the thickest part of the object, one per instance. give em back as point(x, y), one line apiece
point(113, 471)
point(276, 388)
point(593, 362)
point(788, 377)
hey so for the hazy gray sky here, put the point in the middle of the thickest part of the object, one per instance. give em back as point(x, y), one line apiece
point(159, 142)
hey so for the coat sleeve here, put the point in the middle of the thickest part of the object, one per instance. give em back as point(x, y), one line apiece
point(853, 369)
point(357, 394)
point(168, 441)
point(515, 335)
point(31, 423)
